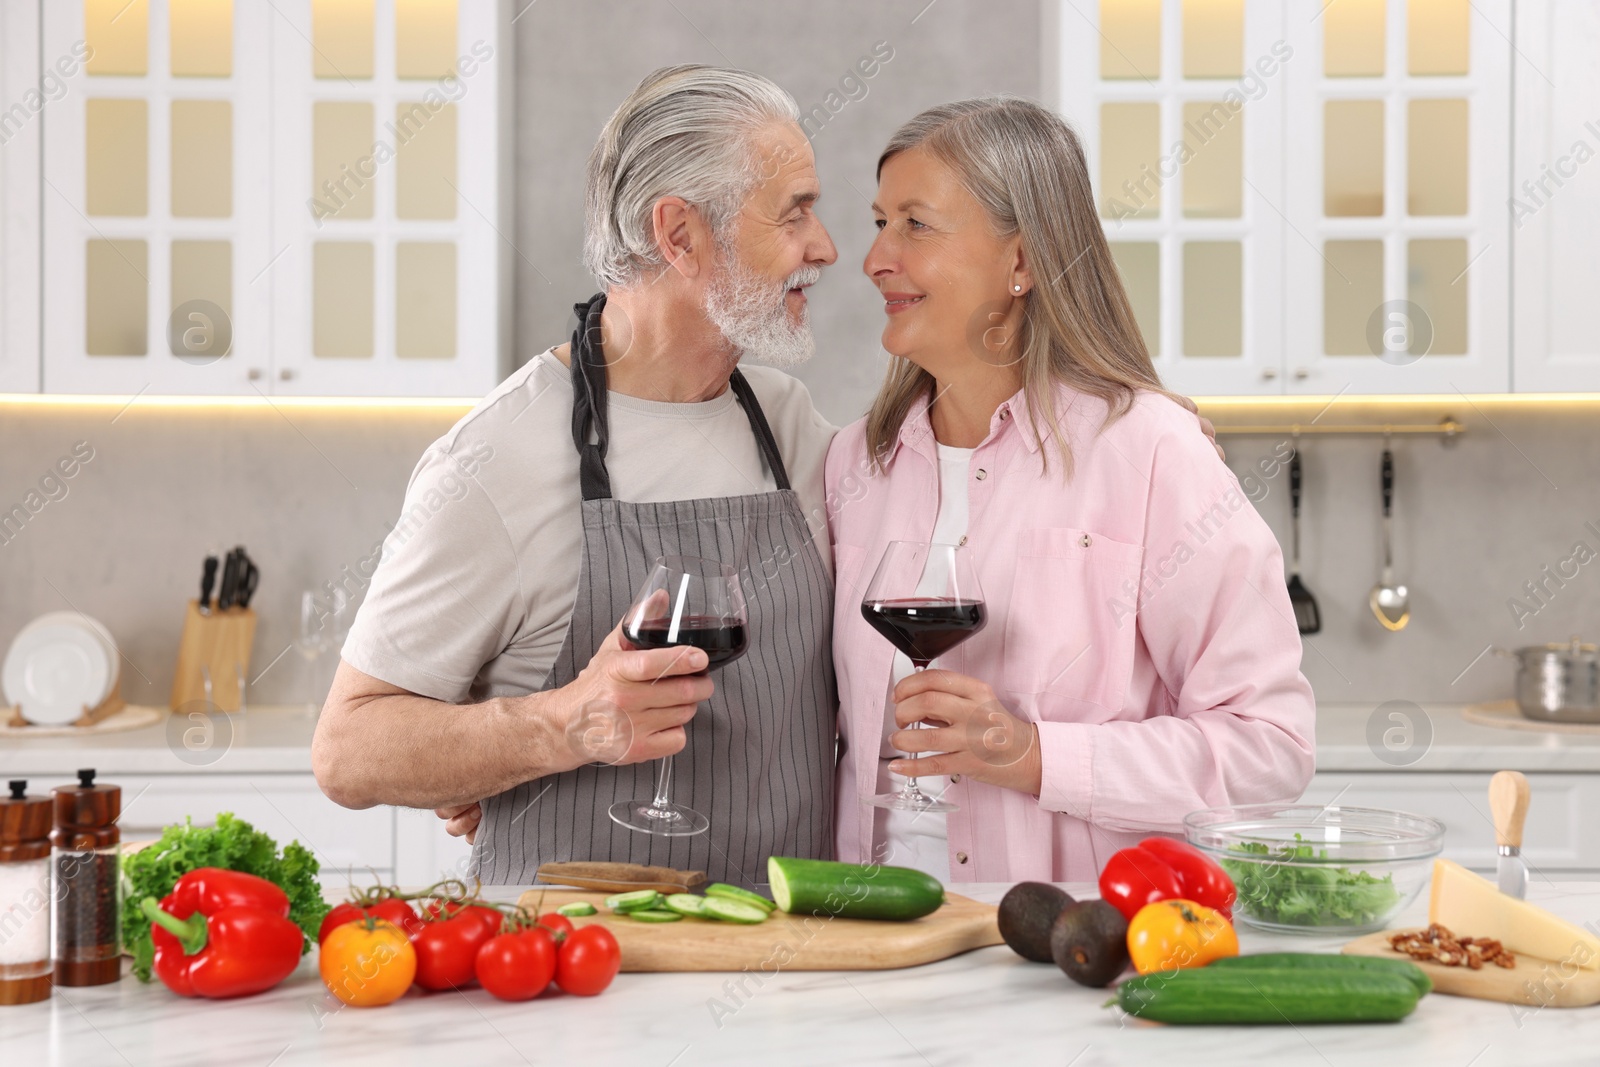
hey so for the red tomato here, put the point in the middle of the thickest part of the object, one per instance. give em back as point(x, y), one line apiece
point(447, 949)
point(588, 960)
point(555, 922)
point(517, 966)
point(398, 913)
point(341, 914)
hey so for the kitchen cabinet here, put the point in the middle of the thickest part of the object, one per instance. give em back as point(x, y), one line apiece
point(19, 197)
point(1555, 197)
point(1561, 840)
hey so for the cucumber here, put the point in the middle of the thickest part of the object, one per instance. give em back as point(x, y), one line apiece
point(1239, 995)
point(653, 915)
point(852, 890)
point(732, 911)
point(1324, 961)
point(634, 901)
point(686, 904)
point(576, 908)
point(733, 892)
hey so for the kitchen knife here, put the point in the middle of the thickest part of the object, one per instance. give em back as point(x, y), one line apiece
point(619, 877)
point(247, 580)
point(1508, 801)
point(230, 581)
point(208, 579)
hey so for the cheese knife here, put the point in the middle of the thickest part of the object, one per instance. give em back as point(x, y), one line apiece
point(1508, 801)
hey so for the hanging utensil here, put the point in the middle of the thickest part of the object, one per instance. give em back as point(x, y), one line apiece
point(1390, 602)
point(1508, 801)
point(1306, 616)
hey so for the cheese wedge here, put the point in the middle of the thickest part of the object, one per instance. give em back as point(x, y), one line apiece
point(1471, 906)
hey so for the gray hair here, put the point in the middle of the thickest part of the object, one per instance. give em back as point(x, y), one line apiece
point(684, 131)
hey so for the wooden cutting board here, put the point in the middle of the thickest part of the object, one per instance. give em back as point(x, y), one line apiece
point(1532, 981)
point(786, 942)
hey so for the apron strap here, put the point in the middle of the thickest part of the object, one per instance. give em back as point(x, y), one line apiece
point(589, 407)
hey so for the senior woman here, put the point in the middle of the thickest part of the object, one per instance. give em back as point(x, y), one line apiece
point(1140, 659)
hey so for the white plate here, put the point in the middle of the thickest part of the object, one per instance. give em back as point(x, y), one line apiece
point(56, 667)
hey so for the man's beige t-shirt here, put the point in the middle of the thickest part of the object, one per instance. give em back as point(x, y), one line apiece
point(477, 582)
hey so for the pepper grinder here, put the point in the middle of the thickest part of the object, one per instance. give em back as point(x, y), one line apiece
point(24, 896)
point(87, 845)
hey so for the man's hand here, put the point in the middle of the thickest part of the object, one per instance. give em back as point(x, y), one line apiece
point(1205, 424)
point(462, 820)
point(977, 737)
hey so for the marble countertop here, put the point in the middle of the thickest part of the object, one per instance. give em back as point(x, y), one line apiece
point(273, 739)
point(987, 1006)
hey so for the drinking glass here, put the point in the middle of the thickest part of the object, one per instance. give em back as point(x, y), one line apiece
point(924, 597)
point(686, 601)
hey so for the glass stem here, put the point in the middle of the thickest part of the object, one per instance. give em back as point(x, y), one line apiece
point(912, 789)
point(663, 783)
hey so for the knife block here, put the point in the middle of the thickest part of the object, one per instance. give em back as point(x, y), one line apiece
point(220, 642)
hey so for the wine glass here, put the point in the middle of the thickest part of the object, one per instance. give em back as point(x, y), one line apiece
point(924, 597)
point(308, 642)
point(686, 601)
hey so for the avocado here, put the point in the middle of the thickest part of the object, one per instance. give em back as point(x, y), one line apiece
point(1089, 941)
point(1026, 912)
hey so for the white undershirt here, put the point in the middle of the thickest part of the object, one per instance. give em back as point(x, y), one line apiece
point(922, 839)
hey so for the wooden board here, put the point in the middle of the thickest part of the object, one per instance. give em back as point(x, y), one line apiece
point(787, 942)
point(1533, 981)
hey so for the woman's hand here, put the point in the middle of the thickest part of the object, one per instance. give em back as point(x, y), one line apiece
point(976, 736)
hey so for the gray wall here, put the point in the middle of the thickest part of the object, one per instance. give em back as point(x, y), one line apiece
point(310, 491)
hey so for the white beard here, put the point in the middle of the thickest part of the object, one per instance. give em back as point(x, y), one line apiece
point(753, 316)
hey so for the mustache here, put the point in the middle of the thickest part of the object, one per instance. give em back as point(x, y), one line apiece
point(804, 276)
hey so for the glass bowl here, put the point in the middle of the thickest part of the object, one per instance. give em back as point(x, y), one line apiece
point(1315, 869)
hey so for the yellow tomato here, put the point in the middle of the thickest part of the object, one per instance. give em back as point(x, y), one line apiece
point(1173, 934)
point(367, 963)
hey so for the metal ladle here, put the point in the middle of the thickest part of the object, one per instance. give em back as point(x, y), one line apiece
point(1390, 602)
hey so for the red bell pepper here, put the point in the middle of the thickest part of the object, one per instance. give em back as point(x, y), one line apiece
point(223, 933)
point(1159, 868)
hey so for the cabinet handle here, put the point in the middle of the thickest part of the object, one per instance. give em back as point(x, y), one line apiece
point(285, 374)
point(254, 374)
point(1301, 374)
point(1269, 374)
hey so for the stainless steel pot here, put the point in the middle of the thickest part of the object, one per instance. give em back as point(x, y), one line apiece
point(1558, 683)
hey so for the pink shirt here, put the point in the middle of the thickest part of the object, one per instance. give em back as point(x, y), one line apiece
point(1137, 613)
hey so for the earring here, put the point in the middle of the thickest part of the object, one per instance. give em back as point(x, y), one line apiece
point(1016, 288)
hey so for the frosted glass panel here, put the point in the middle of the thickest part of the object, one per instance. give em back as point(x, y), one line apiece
point(1436, 281)
point(1353, 34)
point(116, 295)
point(202, 37)
point(341, 38)
point(1438, 36)
point(1213, 179)
point(1213, 298)
point(116, 157)
point(1129, 155)
point(424, 38)
point(202, 158)
point(341, 284)
point(201, 270)
point(1213, 38)
point(1139, 263)
point(425, 300)
point(1352, 289)
point(343, 165)
point(1436, 157)
point(1352, 157)
point(425, 173)
point(1130, 39)
point(117, 33)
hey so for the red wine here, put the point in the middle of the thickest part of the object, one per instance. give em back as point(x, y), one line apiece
point(722, 641)
point(924, 628)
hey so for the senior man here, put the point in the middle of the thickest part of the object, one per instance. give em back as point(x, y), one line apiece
point(487, 660)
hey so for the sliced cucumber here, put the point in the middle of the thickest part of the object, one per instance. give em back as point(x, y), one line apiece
point(576, 909)
point(733, 892)
point(733, 911)
point(636, 900)
point(654, 915)
point(686, 904)
point(852, 890)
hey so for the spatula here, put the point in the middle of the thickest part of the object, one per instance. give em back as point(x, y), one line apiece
point(1306, 616)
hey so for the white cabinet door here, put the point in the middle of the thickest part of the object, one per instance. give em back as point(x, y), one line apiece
point(1555, 197)
point(1560, 839)
point(20, 121)
point(356, 846)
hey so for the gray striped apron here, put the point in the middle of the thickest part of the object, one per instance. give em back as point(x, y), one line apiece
point(759, 760)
